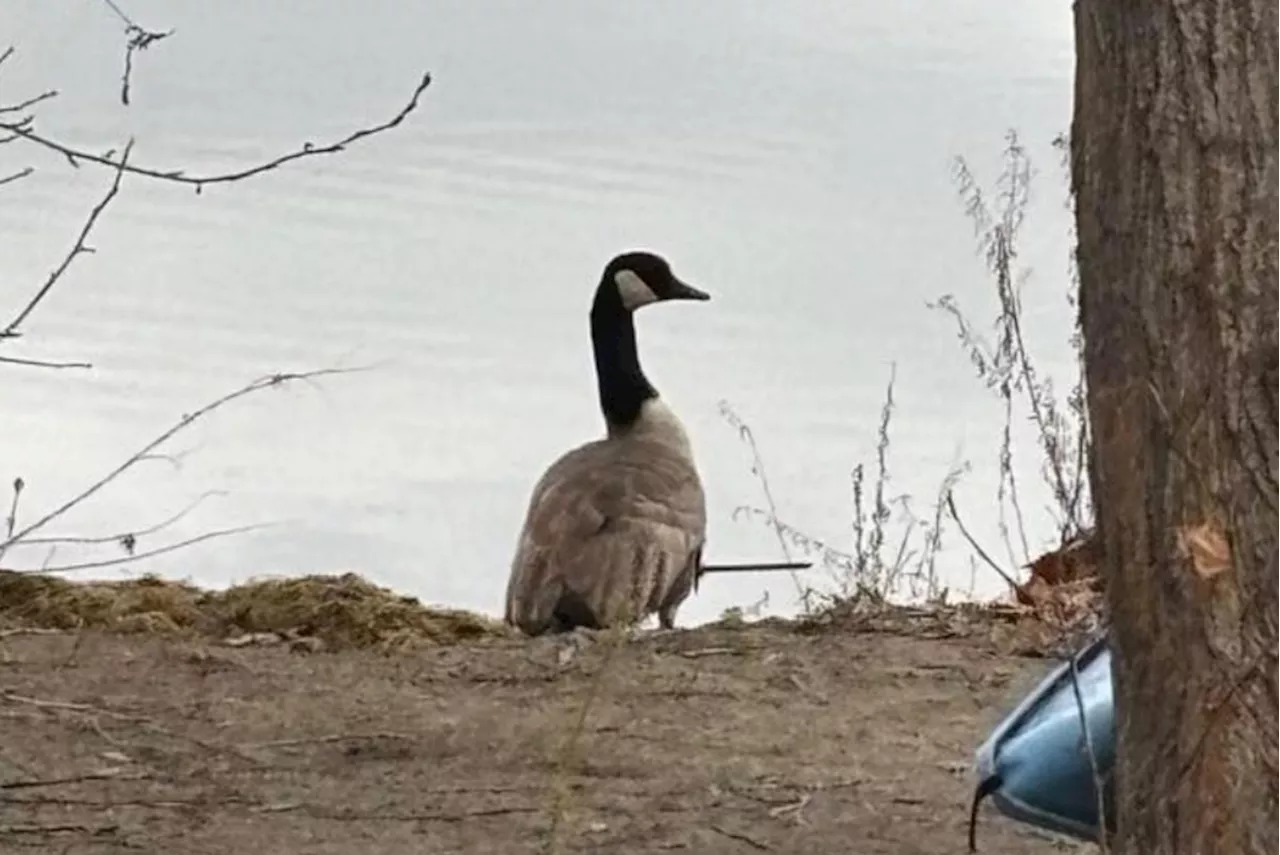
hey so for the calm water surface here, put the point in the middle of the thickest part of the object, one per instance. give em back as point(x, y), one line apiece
point(792, 159)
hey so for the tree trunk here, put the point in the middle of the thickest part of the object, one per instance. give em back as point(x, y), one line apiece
point(1174, 170)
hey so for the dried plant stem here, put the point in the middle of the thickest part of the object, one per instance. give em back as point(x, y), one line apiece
point(1008, 369)
point(757, 467)
point(877, 567)
point(955, 515)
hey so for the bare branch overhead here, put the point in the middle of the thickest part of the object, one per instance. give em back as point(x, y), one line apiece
point(11, 329)
point(75, 156)
point(145, 452)
point(139, 39)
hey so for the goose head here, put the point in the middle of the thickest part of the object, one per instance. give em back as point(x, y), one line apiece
point(635, 279)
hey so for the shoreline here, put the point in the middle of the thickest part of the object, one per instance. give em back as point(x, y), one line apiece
point(342, 612)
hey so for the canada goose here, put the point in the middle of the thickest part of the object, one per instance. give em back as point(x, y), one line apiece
point(615, 527)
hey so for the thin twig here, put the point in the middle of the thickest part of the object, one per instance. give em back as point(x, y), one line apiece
point(139, 39)
point(42, 363)
point(107, 775)
point(183, 423)
point(111, 4)
point(30, 102)
point(11, 521)
point(30, 630)
point(17, 176)
point(124, 538)
point(75, 155)
point(69, 706)
point(757, 467)
point(59, 828)
point(741, 838)
point(326, 740)
point(955, 515)
point(11, 330)
point(347, 815)
point(142, 556)
point(116, 804)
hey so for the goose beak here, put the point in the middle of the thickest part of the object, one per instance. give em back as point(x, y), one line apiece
point(683, 291)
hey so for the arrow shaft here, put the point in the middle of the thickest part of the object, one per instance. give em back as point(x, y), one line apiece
point(759, 566)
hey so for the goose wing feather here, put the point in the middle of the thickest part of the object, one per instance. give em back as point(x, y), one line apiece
point(616, 526)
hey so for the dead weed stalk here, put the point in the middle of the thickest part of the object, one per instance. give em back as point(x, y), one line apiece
point(893, 550)
point(1006, 365)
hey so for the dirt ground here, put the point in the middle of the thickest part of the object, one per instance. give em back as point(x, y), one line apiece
point(773, 737)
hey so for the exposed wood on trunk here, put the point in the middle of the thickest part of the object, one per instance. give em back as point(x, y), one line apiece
point(1174, 150)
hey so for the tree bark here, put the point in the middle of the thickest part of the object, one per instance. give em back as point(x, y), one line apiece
point(1174, 171)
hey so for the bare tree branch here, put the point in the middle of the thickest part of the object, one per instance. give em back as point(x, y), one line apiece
point(11, 330)
point(30, 102)
point(22, 128)
point(140, 556)
point(16, 176)
point(12, 519)
point(143, 453)
point(17, 123)
point(179, 176)
point(127, 540)
point(42, 363)
point(111, 4)
point(138, 39)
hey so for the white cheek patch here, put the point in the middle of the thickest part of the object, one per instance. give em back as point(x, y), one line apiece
point(633, 290)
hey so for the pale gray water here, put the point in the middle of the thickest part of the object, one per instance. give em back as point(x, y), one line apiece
point(792, 159)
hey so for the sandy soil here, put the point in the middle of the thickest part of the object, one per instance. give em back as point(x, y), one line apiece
point(769, 738)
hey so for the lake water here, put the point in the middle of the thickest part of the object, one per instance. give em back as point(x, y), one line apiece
point(792, 159)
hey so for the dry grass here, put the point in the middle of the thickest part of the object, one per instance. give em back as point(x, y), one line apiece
point(892, 551)
point(892, 555)
point(338, 611)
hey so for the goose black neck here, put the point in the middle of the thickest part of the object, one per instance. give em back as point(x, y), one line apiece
point(623, 386)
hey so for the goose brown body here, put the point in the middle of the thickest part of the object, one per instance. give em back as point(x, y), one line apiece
point(613, 533)
point(614, 528)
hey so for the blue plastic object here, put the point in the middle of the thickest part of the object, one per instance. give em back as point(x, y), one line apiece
point(1035, 764)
